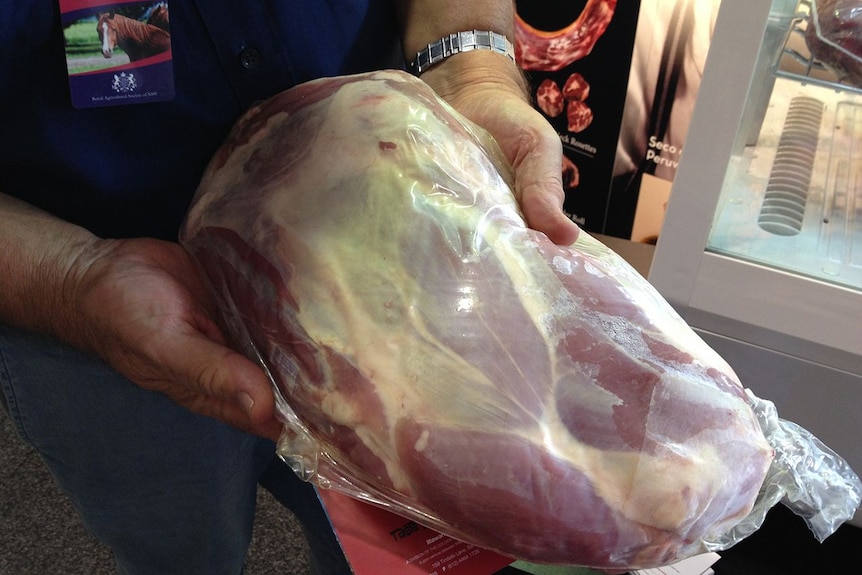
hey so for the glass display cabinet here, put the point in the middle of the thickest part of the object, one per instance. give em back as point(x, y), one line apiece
point(761, 247)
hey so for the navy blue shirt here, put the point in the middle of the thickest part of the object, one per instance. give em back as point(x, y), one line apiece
point(131, 170)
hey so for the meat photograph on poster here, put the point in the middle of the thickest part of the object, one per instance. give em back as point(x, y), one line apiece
point(577, 57)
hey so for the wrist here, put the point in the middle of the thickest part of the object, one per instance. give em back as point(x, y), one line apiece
point(40, 259)
point(458, 43)
point(476, 71)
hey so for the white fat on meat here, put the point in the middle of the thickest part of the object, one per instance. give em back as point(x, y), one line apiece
point(540, 400)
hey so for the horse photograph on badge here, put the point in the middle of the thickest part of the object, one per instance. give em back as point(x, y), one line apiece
point(158, 16)
point(113, 35)
point(137, 39)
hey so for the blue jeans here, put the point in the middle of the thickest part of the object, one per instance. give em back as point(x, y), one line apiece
point(167, 490)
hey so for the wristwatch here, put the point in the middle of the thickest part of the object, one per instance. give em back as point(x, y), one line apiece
point(461, 42)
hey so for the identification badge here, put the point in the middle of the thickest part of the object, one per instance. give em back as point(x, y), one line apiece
point(117, 53)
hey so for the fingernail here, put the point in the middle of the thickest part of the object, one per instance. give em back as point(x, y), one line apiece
point(246, 401)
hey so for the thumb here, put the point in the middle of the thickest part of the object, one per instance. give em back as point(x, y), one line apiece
point(228, 386)
point(539, 188)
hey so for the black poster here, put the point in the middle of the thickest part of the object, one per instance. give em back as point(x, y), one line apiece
point(577, 55)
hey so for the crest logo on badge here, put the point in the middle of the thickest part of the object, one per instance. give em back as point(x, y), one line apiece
point(124, 83)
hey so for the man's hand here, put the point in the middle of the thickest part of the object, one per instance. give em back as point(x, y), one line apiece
point(144, 308)
point(489, 90)
point(139, 304)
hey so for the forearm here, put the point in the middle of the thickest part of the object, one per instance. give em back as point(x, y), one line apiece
point(39, 256)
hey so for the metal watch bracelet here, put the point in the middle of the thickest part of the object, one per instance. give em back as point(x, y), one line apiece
point(461, 42)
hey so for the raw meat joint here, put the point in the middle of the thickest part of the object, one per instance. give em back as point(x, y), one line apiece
point(552, 101)
point(549, 98)
point(434, 355)
point(554, 50)
point(576, 88)
point(834, 36)
point(579, 116)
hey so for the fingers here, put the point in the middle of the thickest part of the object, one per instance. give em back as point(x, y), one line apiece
point(226, 385)
point(528, 141)
point(189, 362)
point(543, 213)
point(230, 386)
point(146, 311)
point(538, 186)
point(534, 150)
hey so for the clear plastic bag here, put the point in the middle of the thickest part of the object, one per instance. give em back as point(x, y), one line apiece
point(433, 355)
point(834, 36)
point(806, 476)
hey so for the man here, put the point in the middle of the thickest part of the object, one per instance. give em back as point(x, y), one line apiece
point(111, 363)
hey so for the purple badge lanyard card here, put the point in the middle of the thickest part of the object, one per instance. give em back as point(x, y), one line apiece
point(117, 53)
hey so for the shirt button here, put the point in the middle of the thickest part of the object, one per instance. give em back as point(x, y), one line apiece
point(249, 59)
